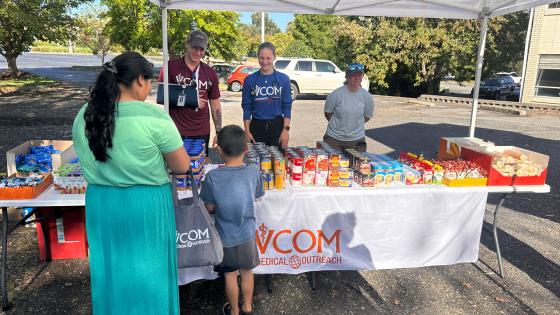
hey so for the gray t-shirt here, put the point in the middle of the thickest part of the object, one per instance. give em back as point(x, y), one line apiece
point(233, 190)
point(349, 110)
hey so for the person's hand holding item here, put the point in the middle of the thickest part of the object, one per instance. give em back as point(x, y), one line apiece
point(284, 138)
point(202, 102)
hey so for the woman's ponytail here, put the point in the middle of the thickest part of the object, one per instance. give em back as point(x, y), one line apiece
point(100, 112)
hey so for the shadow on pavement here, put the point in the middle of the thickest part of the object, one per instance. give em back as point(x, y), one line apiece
point(541, 269)
point(424, 138)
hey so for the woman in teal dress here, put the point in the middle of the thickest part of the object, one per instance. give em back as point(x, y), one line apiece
point(125, 147)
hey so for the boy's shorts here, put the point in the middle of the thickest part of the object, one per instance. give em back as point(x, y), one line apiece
point(244, 256)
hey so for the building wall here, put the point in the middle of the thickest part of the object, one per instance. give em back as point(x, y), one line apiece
point(545, 39)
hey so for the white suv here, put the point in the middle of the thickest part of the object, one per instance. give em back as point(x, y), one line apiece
point(313, 76)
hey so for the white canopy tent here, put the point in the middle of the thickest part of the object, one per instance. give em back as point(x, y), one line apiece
point(459, 9)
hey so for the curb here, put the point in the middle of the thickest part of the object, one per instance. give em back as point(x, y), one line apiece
point(494, 104)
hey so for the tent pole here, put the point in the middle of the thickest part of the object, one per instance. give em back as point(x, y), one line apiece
point(479, 61)
point(526, 54)
point(165, 59)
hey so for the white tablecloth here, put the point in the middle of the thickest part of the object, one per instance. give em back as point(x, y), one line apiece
point(311, 229)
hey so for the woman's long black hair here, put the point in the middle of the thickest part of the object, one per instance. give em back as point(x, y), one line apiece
point(104, 95)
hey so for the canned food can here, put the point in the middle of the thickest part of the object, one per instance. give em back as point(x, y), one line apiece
point(266, 165)
point(344, 162)
point(279, 181)
point(322, 162)
point(345, 174)
point(268, 180)
point(181, 182)
point(345, 182)
point(321, 178)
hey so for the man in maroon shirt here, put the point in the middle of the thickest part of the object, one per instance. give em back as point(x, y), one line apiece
point(194, 123)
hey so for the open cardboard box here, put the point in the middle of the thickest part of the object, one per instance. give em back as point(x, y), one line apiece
point(450, 147)
point(66, 148)
point(484, 157)
point(11, 193)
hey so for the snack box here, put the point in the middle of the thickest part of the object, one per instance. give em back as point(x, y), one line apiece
point(489, 159)
point(450, 147)
point(66, 155)
point(412, 176)
point(9, 193)
point(465, 182)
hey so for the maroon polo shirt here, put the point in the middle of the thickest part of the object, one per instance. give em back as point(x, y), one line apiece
point(188, 121)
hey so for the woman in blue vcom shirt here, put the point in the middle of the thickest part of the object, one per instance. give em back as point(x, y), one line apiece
point(267, 102)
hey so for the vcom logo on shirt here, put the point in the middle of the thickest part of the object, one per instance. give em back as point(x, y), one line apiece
point(266, 93)
point(180, 79)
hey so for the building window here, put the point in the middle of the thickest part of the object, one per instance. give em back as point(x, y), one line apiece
point(548, 83)
point(548, 76)
point(555, 5)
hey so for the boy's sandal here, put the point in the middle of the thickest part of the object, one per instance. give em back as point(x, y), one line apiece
point(226, 310)
point(246, 313)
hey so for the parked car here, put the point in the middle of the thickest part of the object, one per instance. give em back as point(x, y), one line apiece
point(514, 76)
point(237, 77)
point(493, 88)
point(508, 81)
point(223, 71)
point(312, 76)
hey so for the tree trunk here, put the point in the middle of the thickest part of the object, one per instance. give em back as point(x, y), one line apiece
point(12, 64)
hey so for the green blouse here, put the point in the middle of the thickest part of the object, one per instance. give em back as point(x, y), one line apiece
point(142, 133)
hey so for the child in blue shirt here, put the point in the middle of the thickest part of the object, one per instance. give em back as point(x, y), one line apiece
point(229, 192)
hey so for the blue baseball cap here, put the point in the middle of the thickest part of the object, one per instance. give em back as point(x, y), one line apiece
point(355, 67)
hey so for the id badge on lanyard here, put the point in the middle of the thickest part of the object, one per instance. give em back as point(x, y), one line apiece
point(182, 97)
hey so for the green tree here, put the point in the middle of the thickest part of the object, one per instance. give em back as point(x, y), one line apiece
point(316, 32)
point(270, 28)
point(297, 48)
point(136, 25)
point(250, 39)
point(410, 56)
point(22, 22)
point(92, 22)
point(281, 41)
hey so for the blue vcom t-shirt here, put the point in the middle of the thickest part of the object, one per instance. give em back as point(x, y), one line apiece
point(266, 96)
point(233, 190)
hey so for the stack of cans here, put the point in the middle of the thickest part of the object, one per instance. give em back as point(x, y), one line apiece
point(271, 163)
point(196, 150)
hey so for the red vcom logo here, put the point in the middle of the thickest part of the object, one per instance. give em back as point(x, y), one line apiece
point(302, 242)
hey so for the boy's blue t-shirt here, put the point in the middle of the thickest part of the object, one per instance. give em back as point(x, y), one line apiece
point(272, 97)
point(233, 190)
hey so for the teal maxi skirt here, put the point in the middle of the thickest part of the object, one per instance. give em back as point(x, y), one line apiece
point(133, 257)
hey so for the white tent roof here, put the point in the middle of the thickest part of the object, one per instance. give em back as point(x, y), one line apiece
point(459, 9)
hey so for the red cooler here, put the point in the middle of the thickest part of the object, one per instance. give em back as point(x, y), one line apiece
point(66, 228)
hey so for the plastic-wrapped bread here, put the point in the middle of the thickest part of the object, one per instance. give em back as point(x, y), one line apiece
point(516, 155)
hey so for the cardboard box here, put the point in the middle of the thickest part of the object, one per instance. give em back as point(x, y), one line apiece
point(11, 193)
point(66, 148)
point(465, 182)
point(67, 232)
point(485, 159)
point(450, 147)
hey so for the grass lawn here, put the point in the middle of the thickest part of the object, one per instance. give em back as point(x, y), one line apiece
point(24, 80)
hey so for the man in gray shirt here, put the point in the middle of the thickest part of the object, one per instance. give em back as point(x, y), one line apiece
point(347, 109)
